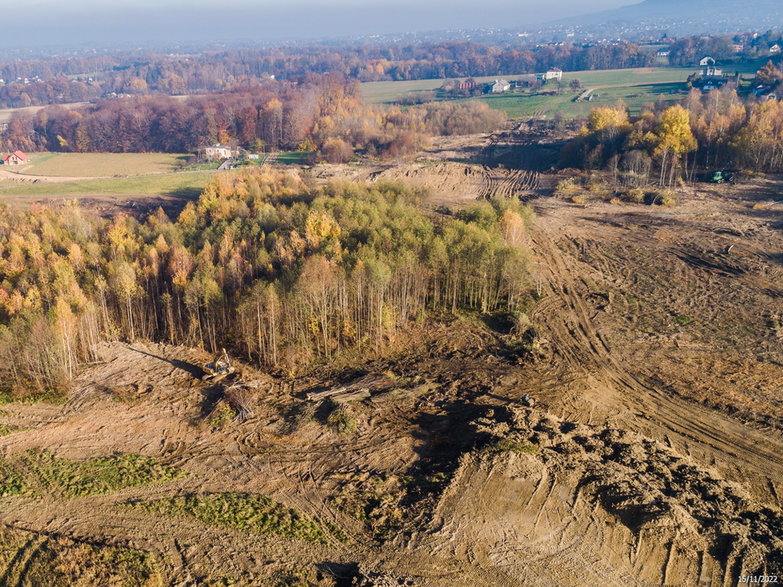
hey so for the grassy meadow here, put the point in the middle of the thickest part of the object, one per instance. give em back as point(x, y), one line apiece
point(541, 105)
point(186, 184)
point(105, 175)
point(633, 86)
point(384, 92)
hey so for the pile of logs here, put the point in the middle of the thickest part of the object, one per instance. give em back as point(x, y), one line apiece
point(355, 391)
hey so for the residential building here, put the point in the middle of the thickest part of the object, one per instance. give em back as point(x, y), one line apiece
point(219, 152)
point(15, 158)
point(500, 86)
point(553, 73)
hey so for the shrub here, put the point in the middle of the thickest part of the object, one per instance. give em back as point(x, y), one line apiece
point(342, 420)
point(599, 188)
point(221, 415)
point(635, 195)
point(579, 199)
point(664, 198)
point(509, 445)
point(567, 188)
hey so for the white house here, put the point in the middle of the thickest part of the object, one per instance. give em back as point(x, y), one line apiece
point(219, 152)
point(500, 86)
point(553, 73)
point(707, 61)
point(712, 71)
point(774, 49)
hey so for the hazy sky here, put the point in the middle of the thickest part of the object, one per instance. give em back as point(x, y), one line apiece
point(81, 22)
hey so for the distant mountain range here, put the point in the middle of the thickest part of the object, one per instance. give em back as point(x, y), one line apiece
point(687, 16)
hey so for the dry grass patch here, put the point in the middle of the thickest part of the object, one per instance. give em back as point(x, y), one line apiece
point(103, 164)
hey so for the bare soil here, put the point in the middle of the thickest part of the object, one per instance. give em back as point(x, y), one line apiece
point(653, 454)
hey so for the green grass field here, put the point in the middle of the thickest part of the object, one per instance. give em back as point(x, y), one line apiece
point(102, 164)
point(384, 92)
point(633, 86)
point(548, 106)
point(188, 184)
point(293, 157)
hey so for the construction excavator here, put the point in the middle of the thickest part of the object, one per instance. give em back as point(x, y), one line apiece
point(219, 368)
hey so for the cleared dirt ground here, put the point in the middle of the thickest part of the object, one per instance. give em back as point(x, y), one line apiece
point(653, 454)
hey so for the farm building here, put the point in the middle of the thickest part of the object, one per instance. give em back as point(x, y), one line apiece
point(467, 85)
point(15, 158)
point(553, 73)
point(707, 62)
point(712, 71)
point(774, 49)
point(500, 86)
point(219, 152)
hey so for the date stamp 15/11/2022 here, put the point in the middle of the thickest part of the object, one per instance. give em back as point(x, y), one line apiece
point(757, 579)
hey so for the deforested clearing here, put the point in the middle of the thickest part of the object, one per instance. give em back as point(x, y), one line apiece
point(609, 415)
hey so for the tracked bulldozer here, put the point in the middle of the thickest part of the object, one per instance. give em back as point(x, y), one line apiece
point(219, 368)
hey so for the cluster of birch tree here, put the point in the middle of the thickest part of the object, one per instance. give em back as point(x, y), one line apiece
point(667, 143)
point(280, 272)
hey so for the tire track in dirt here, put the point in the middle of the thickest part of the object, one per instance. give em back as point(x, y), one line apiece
point(647, 405)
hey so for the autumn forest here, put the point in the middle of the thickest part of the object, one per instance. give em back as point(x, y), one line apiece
point(281, 272)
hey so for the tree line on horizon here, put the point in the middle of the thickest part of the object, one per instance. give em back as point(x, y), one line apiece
point(281, 272)
point(77, 79)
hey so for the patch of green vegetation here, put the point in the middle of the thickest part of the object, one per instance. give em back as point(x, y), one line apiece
point(207, 166)
point(683, 320)
point(342, 420)
point(243, 511)
point(337, 532)
point(503, 445)
point(11, 481)
point(93, 565)
point(5, 429)
point(548, 103)
point(294, 157)
point(429, 483)
point(298, 415)
point(96, 476)
point(221, 416)
point(27, 396)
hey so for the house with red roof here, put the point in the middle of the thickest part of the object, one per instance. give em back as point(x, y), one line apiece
point(15, 158)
